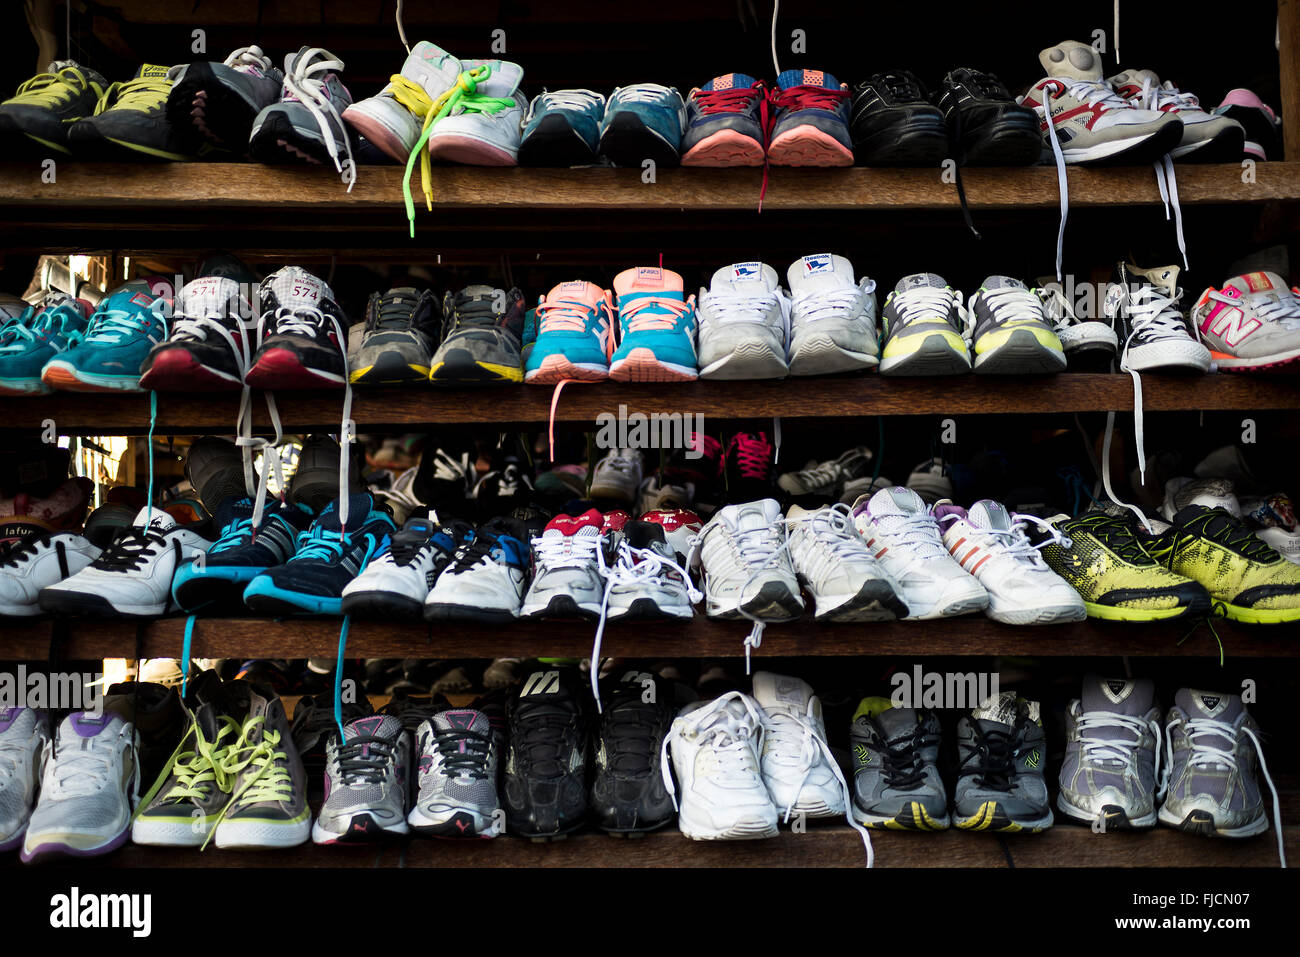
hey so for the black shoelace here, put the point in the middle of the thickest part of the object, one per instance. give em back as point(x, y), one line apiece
point(474, 552)
point(903, 766)
point(16, 554)
point(1220, 527)
point(405, 549)
point(1115, 534)
point(900, 86)
point(464, 752)
point(540, 737)
point(392, 314)
point(993, 760)
point(357, 766)
point(133, 549)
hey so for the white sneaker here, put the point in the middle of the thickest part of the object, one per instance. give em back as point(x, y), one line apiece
point(396, 583)
point(744, 324)
point(1084, 340)
point(133, 576)
point(32, 565)
point(568, 569)
point(88, 791)
point(747, 568)
point(385, 120)
point(899, 527)
point(680, 525)
point(1207, 137)
point(1212, 493)
point(488, 136)
point(647, 579)
point(24, 736)
point(797, 765)
point(617, 476)
point(991, 544)
point(838, 569)
point(486, 577)
point(656, 494)
point(715, 747)
point(832, 317)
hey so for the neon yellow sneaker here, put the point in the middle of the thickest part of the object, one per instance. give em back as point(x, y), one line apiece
point(922, 327)
point(130, 120)
point(1010, 333)
point(46, 105)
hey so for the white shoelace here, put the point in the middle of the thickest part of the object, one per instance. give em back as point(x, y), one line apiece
point(919, 534)
point(565, 100)
point(1102, 750)
point(80, 773)
point(1008, 304)
point(642, 93)
point(723, 307)
point(1015, 543)
point(249, 56)
point(730, 741)
point(928, 303)
point(304, 83)
point(832, 303)
point(834, 530)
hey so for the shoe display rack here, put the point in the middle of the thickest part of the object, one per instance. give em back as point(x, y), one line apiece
point(587, 219)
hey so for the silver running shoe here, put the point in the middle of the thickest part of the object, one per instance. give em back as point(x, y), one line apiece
point(458, 761)
point(367, 777)
point(24, 735)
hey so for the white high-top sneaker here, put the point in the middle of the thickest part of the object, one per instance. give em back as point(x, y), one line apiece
point(832, 317)
point(32, 565)
point(393, 118)
point(744, 324)
point(797, 765)
point(838, 569)
point(488, 134)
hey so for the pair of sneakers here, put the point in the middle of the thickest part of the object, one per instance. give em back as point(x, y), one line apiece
point(636, 123)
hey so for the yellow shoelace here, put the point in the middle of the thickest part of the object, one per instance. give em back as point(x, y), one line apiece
point(144, 94)
point(49, 89)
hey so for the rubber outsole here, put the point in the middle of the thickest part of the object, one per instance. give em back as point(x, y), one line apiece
point(224, 118)
point(935, 356)
point(725, 148)
point(389, 368)
point(913, 817)
point(560, 606)
point(991, 817)
point(1021, 354)
point(375, 132)
point(282, 369)
point(642, 365)
point(65, 378)
point(1226, 146)
point(382, 605)
point(176, 370)
point(808, 146)
point(1115, 818)
point(1116, 613)
point(1202, 823)
point(63, 602)
point(443, 611)
point(556, 368)
point(627, 141)
point(469, 151)
point(925, 144)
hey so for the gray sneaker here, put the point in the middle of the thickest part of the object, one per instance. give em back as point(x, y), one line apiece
point(1109, 774)
point(458, 761)
point(896, 783)
point(367, 779)
point(24, 734)
point(483, 331)
point(1002, 750)
point(306, 126)
point(397, 344)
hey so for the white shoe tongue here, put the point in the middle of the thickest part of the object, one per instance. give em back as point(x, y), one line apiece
point(819, 272)
point(505, 78)
point(772, 691)
point(213, 296)
point(432, 67)
point(295, 287)
point(989, 514)
point(1001, 709)
point(762, 514)
point(1073, 60)
point(1003, 282)
point(373, 726)
point(154, 518)
point(896, 501)
point(1263, 285)
point(1119, 695)
point(745, 279)
point(462, 719)
point(921, 280)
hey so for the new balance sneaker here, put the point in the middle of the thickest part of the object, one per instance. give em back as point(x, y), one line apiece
point(1207, 137)
point(568, 569)
point(726, 123)
point(647, 577)
point(1111, 755)
point(749, 467)
point(1211, 492)
point(656, 320)
point(486, 579)
point(1089, 345)
point(896, 783)
point(483, 128)
point(628, 796)
point(392, 119)
point(617, 476)
point(302, 334)
point(921, 329)
point(120, 333)
point(59, 326)
point(986, 125)
point(36, 563)
point(1156, 337)
point(747, 567)
point(744, 324)
point(715, 749)
point(43, 109)
point(546, 760)
point(458, 767)
point(132, 578)
point(215, 103)
point(306, 125)
point(562, 128)
point(798, 767)
point(643, 122)
point(1261, 124)
point(398, 339)
point(900, 529)
point(575, 335)
point(1010, 334)
point(24, 743)
point(1251, 324)
point(827, 479)
point(368, 780)
point(895, 124)
point(1002, 752)
point(130, 121)
point(832, 317)
point(397, 581)
point(483, 332)
point(990, 543)
point(211, 339)
point(810, 123)
point(837, 569)
point(88, 790)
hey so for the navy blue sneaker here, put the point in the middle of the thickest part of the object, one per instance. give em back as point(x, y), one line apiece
point(812, 121)
point(327, 559)
point(562, 129)
point(239, 555)
point(726, 123)
point(643, 122)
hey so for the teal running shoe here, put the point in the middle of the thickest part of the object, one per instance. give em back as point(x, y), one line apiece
point(58, 326)
point(643, 122)
point(562, 128)
point(656, 328)
point(574, 337)
point(121, 332)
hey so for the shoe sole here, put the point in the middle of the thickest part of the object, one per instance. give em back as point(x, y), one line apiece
point(1255, 616)
point(444, 611)
point(258, 835)
point(647, 609)
point(820, 355)
point(1115, 613)
point(383, 604)
point(1114, 816)
point(748, 360)
point(176, 370)
point(1004, 143)
point(60, 602)
point(1279, 361)
point(1129, 152)
point(171, 833)
point(561, 606)
point(60, 849)
point(774, 602)
point(1022, 354)
point(557, 368)
point(913, 817)
point(469, 151)
point(1202, 823)
point(281, 369)
point(375, 133)
point(19, 387)
point(629, 142)
point(201, 109)
point(874, 601)
point(266, 599)
point(725, 148)
point(642, 365)
point(464, 370)
point(554, 143)
point(459, 826)
point(808, 146)
point(361, 829)
point(277, 142)
point(924, 145)
point(991, 817)
point(1039, 615)
point(61, 376)
point(935, 356)
point(389, 368)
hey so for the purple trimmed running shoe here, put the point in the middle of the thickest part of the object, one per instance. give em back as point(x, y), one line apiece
point(23, 736)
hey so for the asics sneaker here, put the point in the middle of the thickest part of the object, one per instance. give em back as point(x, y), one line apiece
point(827, 479)
point(38, 562)
point(306, 125)
point(747, 567)
point(397, 581)
point(656, 341)
point(392, 119)
point(744, 324)
point(837, 568)
point(1251, 324)
point(397, 341)
point(546, 760)
point(1207, 137)
point(987, 126)
point(1111, 769)
point(832, 317)
point(575, 335)
point(617, 476)
point(1156, 337)
point(368, 780)
point(1089, 345)
point(215, 104)
point(132, 578)
point(646, 577)
point(44, 108)
point(59, 326)
point(488, 576)
point(895, 124)
point(24, 746)
point(628, 796)
point(715, 749)
point(328, 557)
point(900, 529)
point(483, 128)
point(749, 467)
point(896, 783)
point(562, 128)
point(122, 330)
point(643, 122)
point(990, 543)
point(458, 761)
point(1002, 752)
point(1010, 334)
point(922, 327)
point(130, 121)
point(568, 569)
point(726, 123)
point(302, 334)
point(89, 788)
point(1212, 493)
point(798, 768)
point(212, 337)
point(810, 123)
point(483, 330)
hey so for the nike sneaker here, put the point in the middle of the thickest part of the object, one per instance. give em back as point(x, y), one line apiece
point(810, 121)
point(1090, 345)
point(215, 104)
point(483, 329)
point(60, 325)
point(120, 333)
point(628, 796)
point(211, 339)
point(832, 317)
point(800, 771)
point(643, 122)
point(1002, 752)
point(617, 476)
point(894, 123)
point(130, 121)
point(483, 127)
point(546, 759)
point(562, 128)
point(1010, 334)
point(1251, 324)
point(306, 125)
point(397, 341)
point(568, 569)
point(838, 570)
point(1212, 493)
point(726, 123)
point(921, 329)
point(986, 125)
point(24, 747)
point(1207, 137)
point(1262, 127)
point(749, 467)
point(656, 321)
point(902, 533)
point(302, 334)
point(328, 556)
point(646, 576)
point(458, 768)
point(990, 543)
point(896, 783)
point(43, 109)
point(38, 562)
point(393, 118)
point(487, 577)
point(744, 324)
point(575, 335)
point(368, 779)
point(1109, 776)
point(1156, 336)
point(746, 562)
point(397, 581)
point(827, 479)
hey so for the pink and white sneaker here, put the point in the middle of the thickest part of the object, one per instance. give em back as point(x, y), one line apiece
point(1251, 324)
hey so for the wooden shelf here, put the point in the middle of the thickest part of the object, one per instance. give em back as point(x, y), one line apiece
point(702, 637)
point(854, 396)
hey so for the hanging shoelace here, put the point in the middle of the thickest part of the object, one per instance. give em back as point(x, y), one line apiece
point(305, 81)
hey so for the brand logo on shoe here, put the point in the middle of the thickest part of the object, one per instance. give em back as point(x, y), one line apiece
point(649, 276)
point(746, 272)
point(1117, 691)
point(1257, 281)
point(1212, 704)
point(142, 299)
point(813, 265)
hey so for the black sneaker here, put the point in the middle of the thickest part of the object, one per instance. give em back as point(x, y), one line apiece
point(215, 103)
point(213, 325)
point(397, 344)
point(446, 477)
point(546, 762)
point(628, 796)
point(130, 122)
point(483, 331)
point(313, 726)
point(315, 481)
point(41, 112)
point(987, 126)
point(895, 124)
point(304, 334)
point(215, 470)
point(503, 489)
